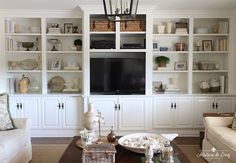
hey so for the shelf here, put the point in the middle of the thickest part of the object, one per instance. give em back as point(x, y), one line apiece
point(64, 34)
point(170, 35)
point(141, 32)
point(64, 71)
point(23, 52)
point(23, 34)
point(169, 71)
point(170, 52)
point(64, 52)
point(24, 71)
point(210, 71)
point(212, 34)
point(210, 52)
point(116, 50)
point(109, 32)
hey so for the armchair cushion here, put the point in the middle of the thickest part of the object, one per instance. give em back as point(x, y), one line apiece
point(6, 122)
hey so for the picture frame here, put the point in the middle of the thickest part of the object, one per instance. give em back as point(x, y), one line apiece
point(68, 27)
point(207, 45)
point(181, 65)
point(56, 64)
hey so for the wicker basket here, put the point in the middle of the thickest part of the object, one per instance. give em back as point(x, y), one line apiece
point(101, 25)
point(137, 25)
point(215, 89)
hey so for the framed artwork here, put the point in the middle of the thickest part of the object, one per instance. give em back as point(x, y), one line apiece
point(181, 65)
point(56, 64)
point(207, 45)
point(68, 27)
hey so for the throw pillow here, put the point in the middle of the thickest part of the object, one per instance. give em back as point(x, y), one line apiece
point(234, 122)
point(6, 122)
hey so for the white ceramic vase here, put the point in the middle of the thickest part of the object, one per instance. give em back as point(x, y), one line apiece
point(90, 118)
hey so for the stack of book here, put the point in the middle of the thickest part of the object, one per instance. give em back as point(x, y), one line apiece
point(221, 44)
point(223, 27)
point(181, 28)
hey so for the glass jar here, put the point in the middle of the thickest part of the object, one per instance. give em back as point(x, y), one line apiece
point(167, 153)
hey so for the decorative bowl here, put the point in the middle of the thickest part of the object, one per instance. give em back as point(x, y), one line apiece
point(138, 142)
point(27, 45)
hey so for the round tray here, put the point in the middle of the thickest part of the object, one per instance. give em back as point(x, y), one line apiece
point(56, 84)
point(28, 64)
point(102, 141)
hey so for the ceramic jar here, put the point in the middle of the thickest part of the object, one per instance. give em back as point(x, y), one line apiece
point(24, 84)
point(111, 137)
point(90, 118)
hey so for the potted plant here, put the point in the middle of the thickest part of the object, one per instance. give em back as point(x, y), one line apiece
point(161, 61)
point(78, 44)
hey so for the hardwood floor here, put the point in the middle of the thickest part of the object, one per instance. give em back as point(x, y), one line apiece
point(67, 140)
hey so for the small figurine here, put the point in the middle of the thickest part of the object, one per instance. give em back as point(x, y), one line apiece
point(111, 137)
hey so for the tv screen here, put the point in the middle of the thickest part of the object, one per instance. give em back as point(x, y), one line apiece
point(117, 75)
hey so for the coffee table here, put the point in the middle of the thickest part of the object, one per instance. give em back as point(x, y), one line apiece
point(73, 154)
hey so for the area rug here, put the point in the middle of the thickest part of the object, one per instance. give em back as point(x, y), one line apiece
point(192, 152)
point(47, 153)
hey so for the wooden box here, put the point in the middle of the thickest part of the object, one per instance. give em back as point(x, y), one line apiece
point(101, 25)
point(97, 153)
point(133, 26)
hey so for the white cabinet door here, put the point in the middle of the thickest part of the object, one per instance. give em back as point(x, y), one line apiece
point(107, 107)
point(183, 112)
point(132, 113)
point(162, 112)
point(225, 104)
point(72, 112)
point(26, 107)
point(14, 106)
point(202, 105)
point(51, 113)
point(31, 108)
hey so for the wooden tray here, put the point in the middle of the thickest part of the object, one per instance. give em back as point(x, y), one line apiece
point(103, 141)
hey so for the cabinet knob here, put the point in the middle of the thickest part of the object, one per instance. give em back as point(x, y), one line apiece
point(115, 107)
point(213, 105)
point(175, 105)
point(171, 105)
point(119, 106)
point(17, 106)
point(62, 105)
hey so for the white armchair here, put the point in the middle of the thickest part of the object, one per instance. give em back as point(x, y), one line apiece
point(15, 145)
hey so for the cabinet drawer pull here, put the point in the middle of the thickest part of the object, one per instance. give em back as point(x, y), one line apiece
point(62, 105)
point(21, 106)
point(59, 106)
point(171, 105)
point(119, 106)
point(216, 105)
point(175, 105)
point(213, 105)
point(17, 105)
point(115, 107)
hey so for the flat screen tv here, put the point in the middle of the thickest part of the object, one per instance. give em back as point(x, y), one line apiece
point(117, 75)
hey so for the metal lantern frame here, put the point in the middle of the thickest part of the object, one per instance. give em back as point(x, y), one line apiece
point(120, 10)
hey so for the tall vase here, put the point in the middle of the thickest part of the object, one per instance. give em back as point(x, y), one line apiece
point(90, 118)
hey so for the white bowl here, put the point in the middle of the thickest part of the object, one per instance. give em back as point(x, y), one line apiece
point(201, 30)
point(138, 142)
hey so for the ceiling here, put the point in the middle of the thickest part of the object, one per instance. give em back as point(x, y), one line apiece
point(161, 4)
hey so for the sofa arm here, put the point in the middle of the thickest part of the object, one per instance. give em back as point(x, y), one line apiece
point(217, 121)
point(22, 123)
